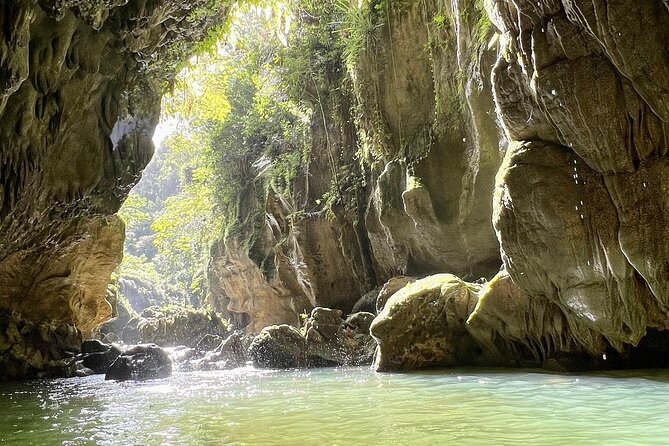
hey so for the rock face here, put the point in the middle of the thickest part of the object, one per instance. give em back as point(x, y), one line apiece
point(427, 113)
point(80, 89)
point(583, 94)
point(415, 200)
point(31, 350)
point(139, 363)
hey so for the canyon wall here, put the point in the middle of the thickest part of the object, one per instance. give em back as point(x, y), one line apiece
point(443, 133)
point(582, 91)
point(403, 133)
point(577, 140)
point(80, 90)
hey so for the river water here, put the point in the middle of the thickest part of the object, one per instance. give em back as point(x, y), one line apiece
point(342, 406)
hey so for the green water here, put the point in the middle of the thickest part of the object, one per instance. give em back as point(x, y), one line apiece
point(349, 406)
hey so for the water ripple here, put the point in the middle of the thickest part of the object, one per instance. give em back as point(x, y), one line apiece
point(345, 406)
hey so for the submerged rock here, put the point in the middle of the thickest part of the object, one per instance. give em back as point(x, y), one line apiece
point(423, 325)
point(278, 346)
point(142, 362)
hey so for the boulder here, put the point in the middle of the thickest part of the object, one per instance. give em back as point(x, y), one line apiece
point(367, 302)
point(98, 357)
point(390, 288)
point(424, 325)
point(141, 362)
point(94, 346)
point(360, 322)
point(278, 346)
point(331, 340)
point(231, 353)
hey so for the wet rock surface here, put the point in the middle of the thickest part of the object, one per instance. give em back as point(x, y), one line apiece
point(330, 338)
point(139, 363)
point(278, 347)
point(325, 340)
point(229, 354)
point(97, 356)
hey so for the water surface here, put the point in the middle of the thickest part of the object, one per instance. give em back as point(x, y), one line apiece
point(343, 406)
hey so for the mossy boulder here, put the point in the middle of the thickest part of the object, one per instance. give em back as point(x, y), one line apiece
point(424, 325)
point(172, 326)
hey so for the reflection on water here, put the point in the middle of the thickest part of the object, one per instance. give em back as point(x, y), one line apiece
point(345, 406)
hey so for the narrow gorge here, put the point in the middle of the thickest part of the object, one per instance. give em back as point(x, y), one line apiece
point(490, 177)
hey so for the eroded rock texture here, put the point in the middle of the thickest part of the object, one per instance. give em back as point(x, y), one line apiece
point(581, 207)
point(80, 86)
point(427, 112)
point(403, 133)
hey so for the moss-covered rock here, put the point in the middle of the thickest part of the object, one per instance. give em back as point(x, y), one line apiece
point(172, 326)
point(424, 325)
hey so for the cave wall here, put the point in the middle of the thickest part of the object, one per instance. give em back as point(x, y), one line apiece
point(427, 113)
point(80, 89)
point(582, 91)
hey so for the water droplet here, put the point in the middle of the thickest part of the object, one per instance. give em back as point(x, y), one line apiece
point(553, 92)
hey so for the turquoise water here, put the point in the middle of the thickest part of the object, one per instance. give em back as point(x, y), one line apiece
point(344, 406)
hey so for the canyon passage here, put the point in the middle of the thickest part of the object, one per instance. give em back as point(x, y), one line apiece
point(242, 210)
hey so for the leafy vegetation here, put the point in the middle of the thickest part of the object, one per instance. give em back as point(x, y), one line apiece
point(233, 127)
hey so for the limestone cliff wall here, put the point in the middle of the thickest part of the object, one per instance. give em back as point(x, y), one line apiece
point(582, 91)
point(80, 88)
point(413, 128)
